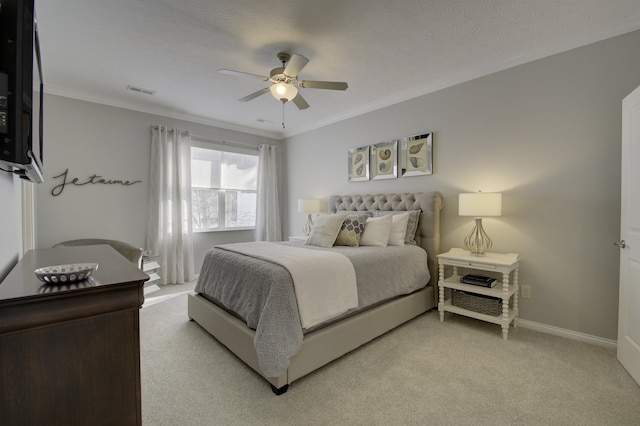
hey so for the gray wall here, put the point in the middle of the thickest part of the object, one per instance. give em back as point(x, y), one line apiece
point(89, 138)
point(547, 135)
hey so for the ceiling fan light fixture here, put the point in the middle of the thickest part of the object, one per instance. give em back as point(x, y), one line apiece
point(283, 91)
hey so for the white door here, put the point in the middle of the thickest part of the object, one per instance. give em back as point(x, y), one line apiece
point(629, 305)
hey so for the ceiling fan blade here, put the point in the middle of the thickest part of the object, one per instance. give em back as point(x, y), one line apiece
point(333, 85)
point(300, 102)
point(243, 74)
point(295, 64)
point(254, 95)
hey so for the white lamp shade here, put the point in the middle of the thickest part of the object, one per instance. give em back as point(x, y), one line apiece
point(312, 206)
point(480, 204)
point(282, 91)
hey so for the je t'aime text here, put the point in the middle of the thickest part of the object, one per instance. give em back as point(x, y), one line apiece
point(93, 179)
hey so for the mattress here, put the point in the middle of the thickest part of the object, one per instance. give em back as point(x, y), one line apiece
point(262, 293)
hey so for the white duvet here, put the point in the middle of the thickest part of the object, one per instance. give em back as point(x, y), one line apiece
point(324, 282)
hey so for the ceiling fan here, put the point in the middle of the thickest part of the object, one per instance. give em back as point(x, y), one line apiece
point(285, 80)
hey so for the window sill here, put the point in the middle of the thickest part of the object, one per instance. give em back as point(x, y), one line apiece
point(204, 231)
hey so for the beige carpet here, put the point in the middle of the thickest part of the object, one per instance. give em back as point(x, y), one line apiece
point(459, 372)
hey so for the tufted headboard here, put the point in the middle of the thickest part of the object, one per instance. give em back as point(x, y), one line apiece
point(429, 203)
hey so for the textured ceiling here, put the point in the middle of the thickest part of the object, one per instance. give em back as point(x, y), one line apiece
point(388, 51)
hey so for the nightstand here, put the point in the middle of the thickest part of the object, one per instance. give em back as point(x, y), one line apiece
point(505, 264)
point(298, 238)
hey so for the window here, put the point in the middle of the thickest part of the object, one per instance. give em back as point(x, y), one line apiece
point(223, 189)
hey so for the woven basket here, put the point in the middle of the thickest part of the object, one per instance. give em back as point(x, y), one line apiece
point(477, 302)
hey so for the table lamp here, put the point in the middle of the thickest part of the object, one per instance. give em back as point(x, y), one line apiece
point(479, 205)
point(311, 206)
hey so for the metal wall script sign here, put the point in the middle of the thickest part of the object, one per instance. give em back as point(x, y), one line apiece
point(93, 179)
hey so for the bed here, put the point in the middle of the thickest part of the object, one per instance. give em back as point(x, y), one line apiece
point(325, 342)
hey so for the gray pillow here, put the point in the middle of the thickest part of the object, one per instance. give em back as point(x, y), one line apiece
point(325, 230)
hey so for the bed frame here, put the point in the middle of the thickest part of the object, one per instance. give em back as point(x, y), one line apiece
point(331, 342)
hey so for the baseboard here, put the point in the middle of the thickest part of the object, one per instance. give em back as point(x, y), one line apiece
point(149, 301)
point(595, 340)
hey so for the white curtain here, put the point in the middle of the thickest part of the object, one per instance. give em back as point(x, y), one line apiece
point(169, 226)
point(268, 226)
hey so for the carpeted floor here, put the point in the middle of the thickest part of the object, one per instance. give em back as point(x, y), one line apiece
point(459, 372)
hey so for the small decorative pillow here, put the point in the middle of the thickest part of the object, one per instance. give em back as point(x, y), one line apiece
point(351, 230)
point(325, 230)
point(376, 231)
point(412, 223)
point(398, 229)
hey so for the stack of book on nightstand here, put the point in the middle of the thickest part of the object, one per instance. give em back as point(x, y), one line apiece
point(478, 280)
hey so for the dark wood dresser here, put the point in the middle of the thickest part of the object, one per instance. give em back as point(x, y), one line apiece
point(70, 354)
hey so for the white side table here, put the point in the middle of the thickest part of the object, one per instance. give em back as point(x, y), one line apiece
point(506, 264)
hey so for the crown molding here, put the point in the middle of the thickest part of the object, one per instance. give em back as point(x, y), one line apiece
point(82, 96)
point(630, 24)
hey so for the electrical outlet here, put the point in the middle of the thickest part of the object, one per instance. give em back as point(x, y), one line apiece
point(525, 291)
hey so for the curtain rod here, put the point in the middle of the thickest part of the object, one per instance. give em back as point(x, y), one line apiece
point(182, 132)
point(225, 142)
point(208, 139)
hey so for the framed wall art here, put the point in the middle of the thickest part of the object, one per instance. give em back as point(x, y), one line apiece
point(359, 164)
point(416, 154)
point(384, 160)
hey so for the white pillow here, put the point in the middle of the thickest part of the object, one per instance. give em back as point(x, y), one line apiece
point(398, 229)
point(412, 224)
point(325, 230)
point(376, 231)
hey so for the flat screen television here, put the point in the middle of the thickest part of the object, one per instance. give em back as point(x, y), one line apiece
point(20, 67)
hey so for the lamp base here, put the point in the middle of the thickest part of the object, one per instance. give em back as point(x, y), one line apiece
point(478, 242)
point(307, 226)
